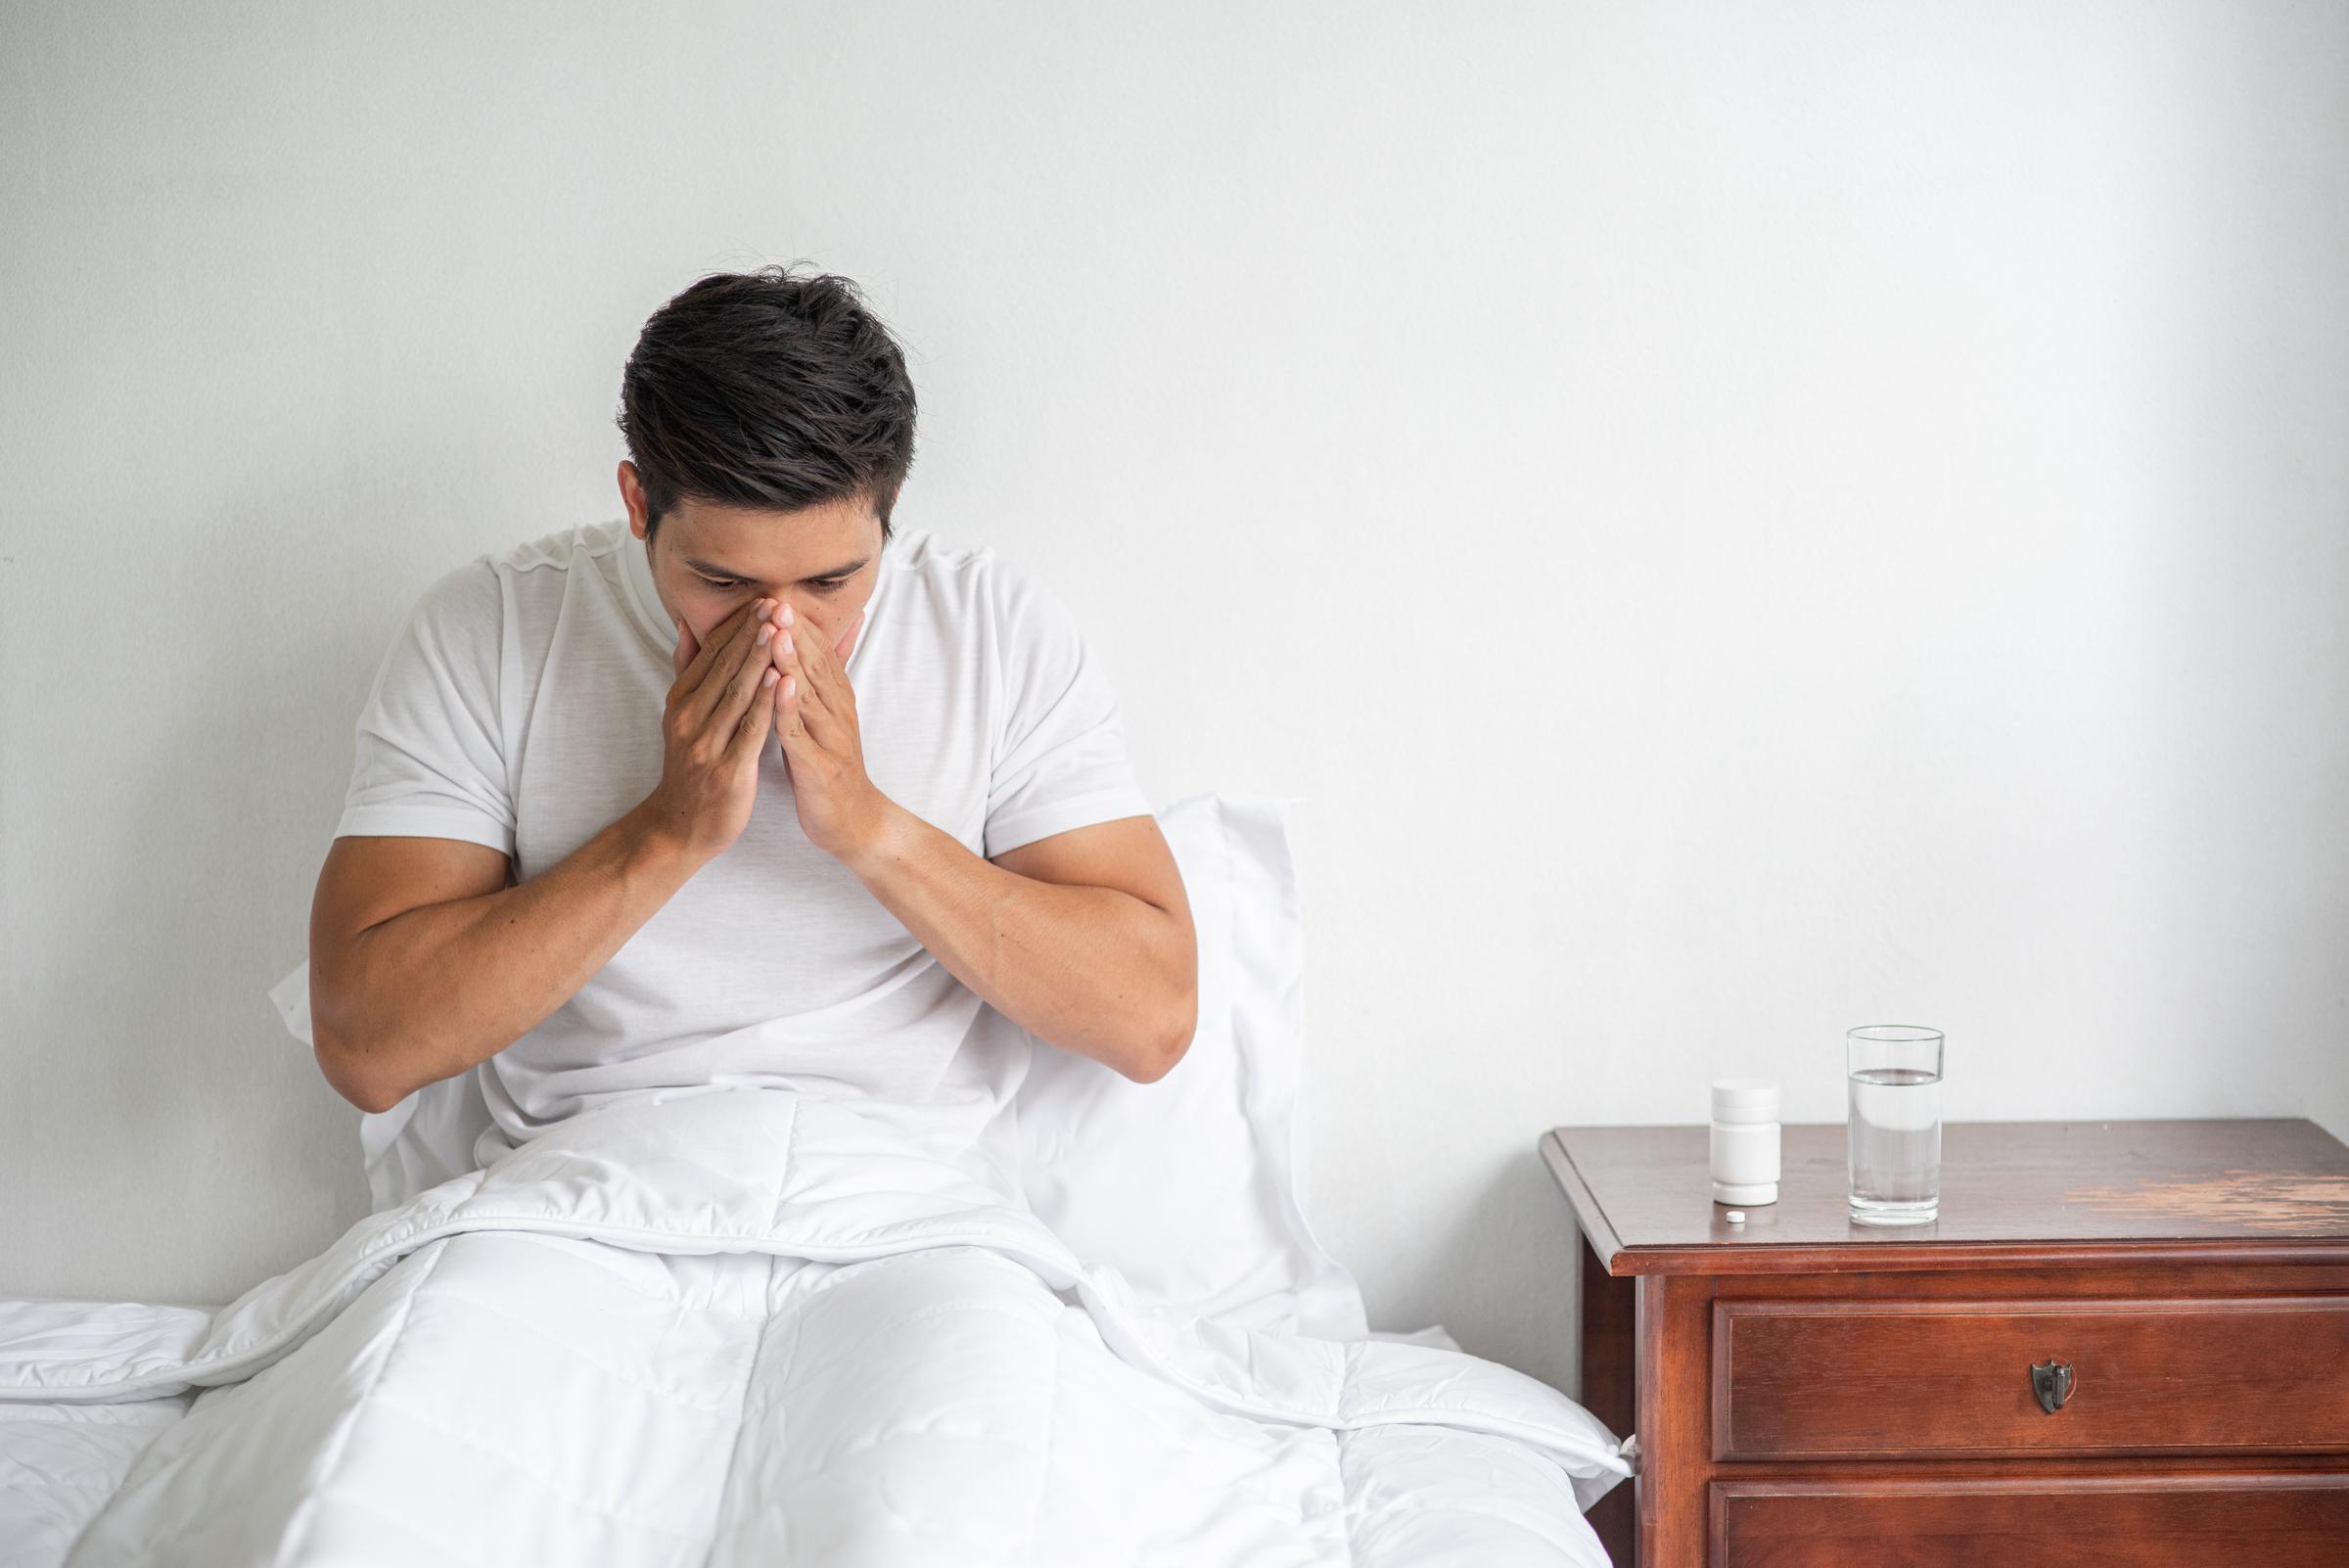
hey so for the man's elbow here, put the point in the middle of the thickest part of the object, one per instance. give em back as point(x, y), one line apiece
point(345, 1071)
point(1172, 1041)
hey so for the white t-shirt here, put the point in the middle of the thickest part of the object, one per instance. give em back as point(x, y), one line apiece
point(520, 707)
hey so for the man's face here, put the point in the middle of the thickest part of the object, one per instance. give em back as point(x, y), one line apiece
point(706, 559)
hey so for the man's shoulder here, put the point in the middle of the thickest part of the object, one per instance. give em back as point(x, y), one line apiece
point(560, 550)
point(997, 599)
point(975, 577)
point(472, 596)
point(923, 553)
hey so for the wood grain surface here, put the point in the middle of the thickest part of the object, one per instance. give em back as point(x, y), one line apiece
point(1879, 1379)
point(1811, 1393)
point(2026, 1191)
point(2032, 1521)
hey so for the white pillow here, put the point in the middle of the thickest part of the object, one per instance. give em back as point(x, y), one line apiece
point(1188, 1186)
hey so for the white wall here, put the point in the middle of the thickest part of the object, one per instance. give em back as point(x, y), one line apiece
point(1742, 520)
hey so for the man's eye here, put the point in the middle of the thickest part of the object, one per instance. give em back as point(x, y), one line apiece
point(819, 584)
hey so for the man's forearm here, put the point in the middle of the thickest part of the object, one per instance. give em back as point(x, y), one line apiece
point(1090, 970)
point(430, 992)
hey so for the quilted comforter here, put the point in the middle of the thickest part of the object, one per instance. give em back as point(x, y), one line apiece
point(741, 1326)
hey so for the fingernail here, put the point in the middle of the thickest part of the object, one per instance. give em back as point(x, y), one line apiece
point(785, 616)
point(787, 642)
point(765, 633)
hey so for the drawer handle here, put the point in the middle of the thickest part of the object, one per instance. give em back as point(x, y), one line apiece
point(2051, 1381)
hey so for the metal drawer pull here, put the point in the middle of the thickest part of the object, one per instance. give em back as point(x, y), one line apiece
point(2051, 1381)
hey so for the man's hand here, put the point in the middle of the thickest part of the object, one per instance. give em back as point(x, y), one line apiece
point(713, 730)
point(816, 726)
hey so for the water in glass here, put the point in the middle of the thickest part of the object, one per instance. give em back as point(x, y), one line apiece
point(1895, 1145)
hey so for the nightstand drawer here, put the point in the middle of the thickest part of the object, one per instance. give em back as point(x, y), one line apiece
point(2286, 1520)
point(1895, 1379)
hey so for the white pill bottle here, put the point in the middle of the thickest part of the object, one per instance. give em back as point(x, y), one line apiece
point(1745, 1141)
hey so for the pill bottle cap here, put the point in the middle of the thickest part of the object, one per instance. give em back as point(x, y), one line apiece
point(1745, 1099)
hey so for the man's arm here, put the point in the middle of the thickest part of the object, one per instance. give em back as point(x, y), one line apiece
point(423, 962)
point(1083, 938)
point(416, 974)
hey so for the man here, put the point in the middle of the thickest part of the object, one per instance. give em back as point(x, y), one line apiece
point(750, 790)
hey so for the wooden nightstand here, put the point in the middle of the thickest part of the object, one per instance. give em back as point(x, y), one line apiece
point(2121, 1343)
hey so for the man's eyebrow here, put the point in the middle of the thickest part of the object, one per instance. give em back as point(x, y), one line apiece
point(709, 570)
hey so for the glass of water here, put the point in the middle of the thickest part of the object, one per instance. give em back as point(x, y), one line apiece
point(1894, 1073)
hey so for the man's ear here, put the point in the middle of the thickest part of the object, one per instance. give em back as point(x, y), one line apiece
point(632, 496)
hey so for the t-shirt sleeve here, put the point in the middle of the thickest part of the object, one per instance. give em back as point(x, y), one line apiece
point(428, 761)
point(1059, 760)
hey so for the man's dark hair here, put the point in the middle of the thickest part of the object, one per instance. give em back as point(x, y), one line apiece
point(772, 388)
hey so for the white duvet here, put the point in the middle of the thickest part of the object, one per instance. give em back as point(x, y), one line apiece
point(738, 1326)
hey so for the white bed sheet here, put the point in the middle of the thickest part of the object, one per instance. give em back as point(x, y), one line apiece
point(734, 1328)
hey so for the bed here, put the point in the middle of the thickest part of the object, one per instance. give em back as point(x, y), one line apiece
point(734, 1325)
